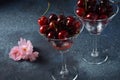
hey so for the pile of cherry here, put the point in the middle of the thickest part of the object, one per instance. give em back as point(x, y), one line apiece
point(59, 26)
point(94, 9)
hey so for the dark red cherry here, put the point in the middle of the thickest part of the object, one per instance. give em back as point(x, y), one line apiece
point(53, 25)
point(104, 2)
point(70, 18)
point(90, 8)
point(80, 12)
point(77, 27)
point(91, 16)
point(80, 3)
point(69, 23)
point(91, 2)
point(61, 21)
point(53, 17)
point(43, 29)
point(51, 35)
point(63, 34)
point(60, 18)
point(102, 10)
point(43, 21)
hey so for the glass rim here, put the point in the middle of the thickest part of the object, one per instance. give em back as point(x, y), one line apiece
point(110, 17)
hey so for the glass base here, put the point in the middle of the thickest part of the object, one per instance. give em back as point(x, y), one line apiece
point(72, 74)
point(99, 59)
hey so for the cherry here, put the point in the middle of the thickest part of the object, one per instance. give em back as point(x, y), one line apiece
point(53, 17)
point(60, 18)
point(77, 26)
point(69, 23)
point(80, 3)
point(70, 18)
point(102, 10)
point(80, 11)
point(90, 8)
point(91, 2)
point(91, 16)
point(53, 25)
point(104, 2)
point(51, 35)
point(63, 34)
point(43, 29)
point(61, 21)
point(43, 21)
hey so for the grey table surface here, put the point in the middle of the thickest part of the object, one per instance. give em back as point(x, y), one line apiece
point(18, 18)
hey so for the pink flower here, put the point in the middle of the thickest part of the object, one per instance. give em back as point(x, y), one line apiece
point(15, 53)
point(33, 56)
point(26, 48)
point(24, 51)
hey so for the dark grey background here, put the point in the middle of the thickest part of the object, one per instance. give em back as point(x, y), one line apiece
point(18, 18)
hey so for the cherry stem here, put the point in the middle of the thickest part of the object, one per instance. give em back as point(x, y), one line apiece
point(47, 9)
point(86, 5)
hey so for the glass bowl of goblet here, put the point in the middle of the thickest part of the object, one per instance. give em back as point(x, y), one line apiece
point(96, 18)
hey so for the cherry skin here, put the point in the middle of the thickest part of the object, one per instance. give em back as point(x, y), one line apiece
point(91, 2)
point(80, 12)
point(63, 34)
point(53, 17)
point(102, 10)
point(61, 21)
point(43, 21)
point(69, 23)
point(53, 25)
point(77, 26)
point(91, 16)
point(80, 3)
point(60, 18)
point(43, 29)
point(51, 35)
point(70, 18)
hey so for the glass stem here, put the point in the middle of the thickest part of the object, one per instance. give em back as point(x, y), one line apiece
point(95, 52)
point(64, 71)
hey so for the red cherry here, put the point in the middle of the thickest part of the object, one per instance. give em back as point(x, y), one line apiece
point(43, 21)
point(91, 2)
point(90, 8)
point(102, 10)
point(70, 18)
point(53, 17)
point(60, 18)
point(53, 25)
point(80, 3)
point(76, 28)
point(69, 23)
point(51, 35)
point(80, 11)
point(43, 29)
point(63, 34)
point(91, 16)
